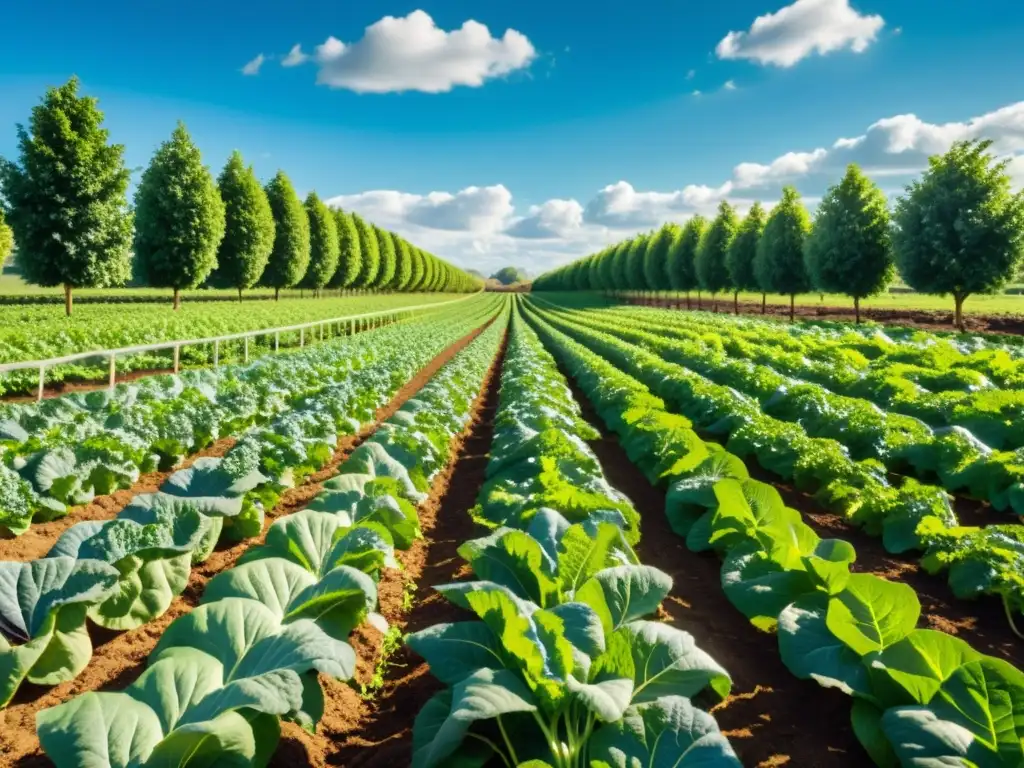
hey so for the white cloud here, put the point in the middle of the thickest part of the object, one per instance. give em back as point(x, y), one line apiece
point(253, 67)
point(730, 85)
point(781, 169)
point(620, 206)
point(412, 53)
point(480, 210)
point(799, 30)
point(295, 57)
point(696, 93)
point(553, 219)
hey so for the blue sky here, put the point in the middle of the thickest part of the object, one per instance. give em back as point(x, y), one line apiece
point(558, 128)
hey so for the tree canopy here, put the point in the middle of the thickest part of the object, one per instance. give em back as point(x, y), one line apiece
point(510, 276)
point(656, 257)
point(370, 251)
point(66, 196)
point(350, 257)
point(683, 254)
point(743, 249)
point(323, 244)
point(712, 272)
point(779, 264)
point(959, 229)
point(6, 238)
point(388, 258)
point(248, 231)
point(849, 249)
point(289, 258)
point(179, 217)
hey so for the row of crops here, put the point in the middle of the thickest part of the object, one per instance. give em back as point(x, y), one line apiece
point(555, 650)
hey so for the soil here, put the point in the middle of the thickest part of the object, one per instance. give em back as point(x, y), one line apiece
point(771, 718)
point(928, 319)
point(376, 730)
point(120, 657)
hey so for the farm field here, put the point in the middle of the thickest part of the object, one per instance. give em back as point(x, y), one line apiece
point(531, 530)
point(39, 332)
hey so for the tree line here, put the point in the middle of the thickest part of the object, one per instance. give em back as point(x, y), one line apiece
point(958, 229)
point(64, 204)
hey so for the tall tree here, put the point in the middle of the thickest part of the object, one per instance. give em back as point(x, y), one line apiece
point(179, 217)
point(248, 231)
point(323, 244)
point(740, 258)
point(66, 197)
point(370, 250)
point(609, 267)
point(683, 254)
point(289, 258)
point(350, 257)
point(6, 239)
point(656, 258)
point(779, 264)
point(712, 272)
point(403, 273)
point(429, 272)
point(418, 270)
point(960, 229)
point(849, 250)
point(635, 280)
point(388, 258)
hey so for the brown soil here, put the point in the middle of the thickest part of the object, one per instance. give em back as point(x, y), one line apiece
point(119, 658)
point(38, 539)
point(377, 730)
point(915, 318)
point(771, 717)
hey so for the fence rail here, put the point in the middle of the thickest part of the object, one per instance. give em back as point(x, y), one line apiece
point(355, 323)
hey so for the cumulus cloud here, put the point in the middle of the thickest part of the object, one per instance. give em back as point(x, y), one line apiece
point(480, 210)
point(730, 85)
point(553, 219)
point(253, 67)
point(295, 57)
point(412, 53)
point(799, 30)
point(621, 206)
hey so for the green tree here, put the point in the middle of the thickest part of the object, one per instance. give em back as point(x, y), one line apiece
point(509, 275)
point(388, 258)
point(350, 257)
point(656, 258)
point(6, 239)
point(849, 250)
point(959, 229)
point(635, 280)
point(742, 252)
point(682, 256)
point(323, 245)
point(712, 272)
point(248, 231)
point(179, 218)
point(66, 197)
point(403, 274)
point(610, 266)
point(779, 264)
point(370, 250)
point(289, 258)
point(418, 270)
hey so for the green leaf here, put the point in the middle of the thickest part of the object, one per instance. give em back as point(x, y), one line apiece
point(515, 560)
point(454, 651)
point(758, 586)
point(624, 593)
point(922, 661)
point(98, 730)
point(668, 662)
point(866, 720)
point(872, 613)
point(581, 554)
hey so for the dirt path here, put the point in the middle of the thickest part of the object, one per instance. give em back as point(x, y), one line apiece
point(120, 657)
point(928, 319)
point(377, 730)
point(771, 718)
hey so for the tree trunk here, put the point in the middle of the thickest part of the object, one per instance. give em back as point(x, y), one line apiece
point(764, 303)
point(277, 294)
point(699, 304)
point(177, 299)
point(714, 302)
point(856, 308)
point(239, 295)
point(792, 307)
point(736, 302)
point(958, 313)
point(68, 300)
point(687, 299)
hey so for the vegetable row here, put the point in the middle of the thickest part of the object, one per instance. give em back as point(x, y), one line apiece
point(920, 697)
point(559, 667)
point(125, 572)
point(910, 516)
point(64, 451)
point(223, 676)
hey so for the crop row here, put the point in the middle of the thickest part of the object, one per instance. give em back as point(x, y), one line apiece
point(125, 572)
point(920, 697)
point(64, 451)
point(939, 395)
point(559, 667)
point(37, 333)
point(222, 676)
point(909, 516)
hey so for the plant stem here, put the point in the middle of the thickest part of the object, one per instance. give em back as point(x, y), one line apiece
point(1009, 618)
point(508, 742)
point(493, 746)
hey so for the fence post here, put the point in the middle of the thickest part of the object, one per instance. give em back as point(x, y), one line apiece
point(177, 357)
point(113, 371)
point(277, 340)
point(302, 337)
point(321, 331)
point(42, 383)
point(245, 356)
point(216, 353)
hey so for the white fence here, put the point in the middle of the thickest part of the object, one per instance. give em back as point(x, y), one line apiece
point(355, 323)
